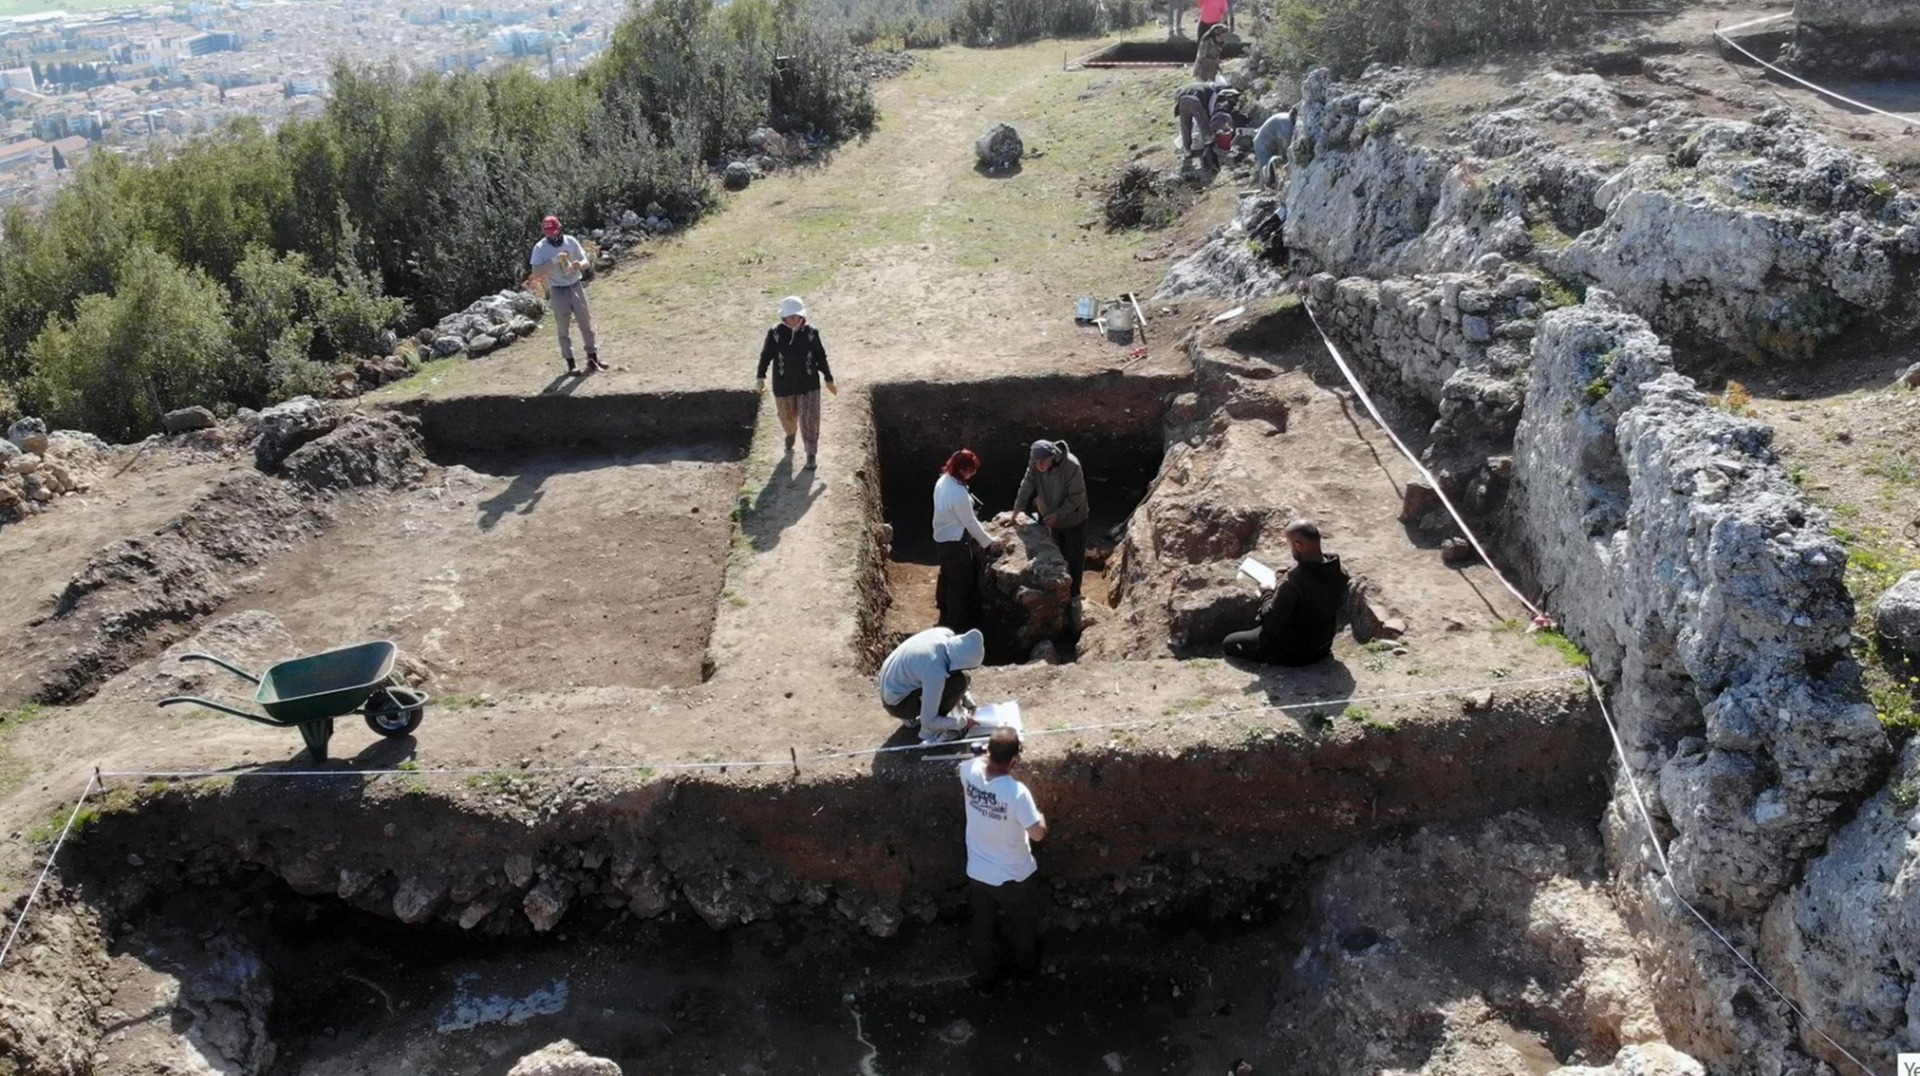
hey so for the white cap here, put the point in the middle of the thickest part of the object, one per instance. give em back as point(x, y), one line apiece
point(792, 307)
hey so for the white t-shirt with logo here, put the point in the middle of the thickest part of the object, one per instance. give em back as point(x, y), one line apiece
point(998, 814)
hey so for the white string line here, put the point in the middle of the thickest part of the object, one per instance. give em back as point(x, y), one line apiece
point(1666, 875)
point(1433, 483)
point(1784, 73)
point(40, 882)
point(830, 756)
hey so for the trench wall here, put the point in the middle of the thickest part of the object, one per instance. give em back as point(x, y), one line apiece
point(1157, 830)
point(466, 425)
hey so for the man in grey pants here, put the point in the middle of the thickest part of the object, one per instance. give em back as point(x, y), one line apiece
point(561, 261)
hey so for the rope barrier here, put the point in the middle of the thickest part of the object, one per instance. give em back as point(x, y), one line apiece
point(1721, 35)
point(47, 870)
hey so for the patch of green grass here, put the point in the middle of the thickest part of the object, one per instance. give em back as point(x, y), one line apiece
point(1556, 293)
point(1568, 650)
point(1187, 706)
point(1598, 389)
point(1547, 236)
point(497, 782)
point(14, 772)
point(1904, 794)
point(1892, 465)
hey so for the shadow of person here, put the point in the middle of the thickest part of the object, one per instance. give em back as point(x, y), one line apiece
point(909, 760)
point(522, 495)
point(779, 504)
point(565, 384)
point(1310, 693)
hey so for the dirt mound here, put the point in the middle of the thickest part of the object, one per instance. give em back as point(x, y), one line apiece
point(381, 450)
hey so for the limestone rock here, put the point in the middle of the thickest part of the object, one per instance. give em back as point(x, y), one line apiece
point(447, 346)
point(286, 426)
point(480, 345)
point(1640, 1059)
point(1227, 265)
point(1896, 616)
point(563, 1058)
point(418, 899)
point(1910, 377)
point(8, 452)
point(999, 148)
point(1027, 593)
point(1207, 601)
point(737, 176)
point(546, 902)
point(28, 435)
point(186, 419)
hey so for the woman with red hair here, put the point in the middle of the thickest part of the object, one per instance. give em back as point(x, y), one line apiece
point(955, 530)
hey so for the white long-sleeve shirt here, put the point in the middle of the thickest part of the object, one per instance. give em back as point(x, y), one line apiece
point(953, 512)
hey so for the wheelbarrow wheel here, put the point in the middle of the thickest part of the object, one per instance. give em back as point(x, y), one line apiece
point(395, 711)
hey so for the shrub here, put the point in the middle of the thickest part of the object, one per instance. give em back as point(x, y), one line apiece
point(1142, 198)
point(158, 342)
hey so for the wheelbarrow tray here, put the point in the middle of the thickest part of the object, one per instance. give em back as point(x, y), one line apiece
point(329, 684)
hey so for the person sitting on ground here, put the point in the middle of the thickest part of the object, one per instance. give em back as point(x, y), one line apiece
point(1270, 147)
point(1003, 879)
point(1297, 620)
point(924, 681)
point(1055, 489)
point(1206, 59)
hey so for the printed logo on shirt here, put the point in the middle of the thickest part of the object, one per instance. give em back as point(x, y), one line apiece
point(986, 803)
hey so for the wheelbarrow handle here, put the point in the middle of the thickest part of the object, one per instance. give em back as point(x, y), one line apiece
point(223, 708)
point(235, 670)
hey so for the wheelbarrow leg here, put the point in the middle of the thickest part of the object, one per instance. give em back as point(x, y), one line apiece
point(317, 733)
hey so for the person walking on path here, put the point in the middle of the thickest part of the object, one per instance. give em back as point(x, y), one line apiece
point(561, 262)
point(1213, 46)
point(924, 681)
point(956, 529)
point(1298, 619)
point(799, 364)
point(1003, 882)
point(1055, 489)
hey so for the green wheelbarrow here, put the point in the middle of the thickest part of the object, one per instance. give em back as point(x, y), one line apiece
point(308, 693)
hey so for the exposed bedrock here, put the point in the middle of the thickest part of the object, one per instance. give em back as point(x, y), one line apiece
point(1856, 38)
point(1755, 238)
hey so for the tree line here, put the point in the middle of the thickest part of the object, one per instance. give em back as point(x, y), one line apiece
point(236, 268)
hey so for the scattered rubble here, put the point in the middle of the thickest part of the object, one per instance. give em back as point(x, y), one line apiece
point(563, 1058)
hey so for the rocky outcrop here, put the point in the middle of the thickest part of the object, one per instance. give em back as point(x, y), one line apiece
point(382, 450)
point(1026, 596)
point(1759, 238)
point(1856, 38)
point(1674, 549)
point(1241, 260)
point(286, 426)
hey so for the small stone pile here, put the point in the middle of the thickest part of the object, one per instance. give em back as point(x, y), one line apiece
point(489, 323)
point(37, 467)
point(630, 229)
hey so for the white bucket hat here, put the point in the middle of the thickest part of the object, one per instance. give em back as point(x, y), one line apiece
point(792, 307)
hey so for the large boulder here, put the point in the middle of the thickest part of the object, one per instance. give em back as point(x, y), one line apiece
point(363, 450)
point(1205, 602)
point(1896, 616)
point(1028, 593)
point(563, 1058)
point(1000, 148)
point(737, 176)
point(187, 419)
point(286, 426)
point(29, 435)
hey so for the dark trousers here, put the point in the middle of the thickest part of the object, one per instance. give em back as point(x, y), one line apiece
point(958, 592)
point(1019, 903)
point(1247, 644)
point(1073, 546)
point(1204, 27)
point(908, 709)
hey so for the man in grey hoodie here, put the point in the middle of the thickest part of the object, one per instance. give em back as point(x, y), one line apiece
point(925, 678)
point(1056, 489)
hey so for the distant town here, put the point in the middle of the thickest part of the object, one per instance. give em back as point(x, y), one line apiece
point(129, 79)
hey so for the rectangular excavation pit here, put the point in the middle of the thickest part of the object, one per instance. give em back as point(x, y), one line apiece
point(1111, 422)
point(595, 561)
point(1171, 52)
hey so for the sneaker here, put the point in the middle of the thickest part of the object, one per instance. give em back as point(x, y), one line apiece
point(910, 723)
point(966, 700)
point(594, 363)
point(571, 368)
point(809, 465)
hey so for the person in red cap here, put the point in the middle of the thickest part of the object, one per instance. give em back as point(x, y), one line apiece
point(561, 261)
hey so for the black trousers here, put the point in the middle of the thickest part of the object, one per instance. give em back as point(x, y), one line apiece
point(1247, 644)
point(958, 592)
point(1073, 546)
point(908, 708)
point(1018, 903)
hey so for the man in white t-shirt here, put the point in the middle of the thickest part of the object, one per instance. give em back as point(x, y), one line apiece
point(560, 261)
point(1002, 820)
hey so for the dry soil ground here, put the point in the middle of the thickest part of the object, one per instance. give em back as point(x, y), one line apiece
point(561, 603)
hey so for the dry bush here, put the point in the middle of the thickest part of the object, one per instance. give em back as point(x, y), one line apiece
point(1141, 197)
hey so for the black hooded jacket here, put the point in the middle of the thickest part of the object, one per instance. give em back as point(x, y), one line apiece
point(1297, 620)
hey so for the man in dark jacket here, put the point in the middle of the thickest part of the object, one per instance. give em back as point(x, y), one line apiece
point(799, 364)
point(1297, 620)
point(1055, 488)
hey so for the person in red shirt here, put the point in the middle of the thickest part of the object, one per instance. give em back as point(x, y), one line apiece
point(1212, 14)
